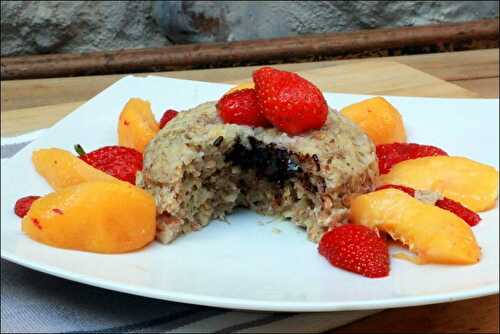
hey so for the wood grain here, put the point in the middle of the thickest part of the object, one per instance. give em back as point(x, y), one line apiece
point(469, 316)
point(488, 87)
point(17, 94)
point(450, 66)
point(29, 119)
point(381, 77)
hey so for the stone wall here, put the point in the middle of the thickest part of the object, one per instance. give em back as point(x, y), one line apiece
point(32, 27)
point(195, 21)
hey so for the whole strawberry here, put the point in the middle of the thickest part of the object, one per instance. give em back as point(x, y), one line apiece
point(391, 154)
point(356, 248)
point(291, 103)
point(23, 205)
point(168, 115)
point(241, 107)
point(118, 161)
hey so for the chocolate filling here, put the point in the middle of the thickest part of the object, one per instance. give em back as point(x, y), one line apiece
point(273, 163)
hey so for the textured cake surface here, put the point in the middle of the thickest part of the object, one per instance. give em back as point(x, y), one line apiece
point(198, 168)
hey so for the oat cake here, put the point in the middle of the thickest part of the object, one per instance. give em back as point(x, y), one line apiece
point(198, 169)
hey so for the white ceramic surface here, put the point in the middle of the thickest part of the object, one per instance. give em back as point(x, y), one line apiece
point(246, 264)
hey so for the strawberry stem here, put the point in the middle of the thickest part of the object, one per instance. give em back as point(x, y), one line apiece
point(79, 149)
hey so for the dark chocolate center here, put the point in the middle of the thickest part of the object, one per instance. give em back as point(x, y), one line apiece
point(273, 163)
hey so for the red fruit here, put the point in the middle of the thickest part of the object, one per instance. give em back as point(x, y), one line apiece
point(408, 190)
point(167, 117)
point(23, 205)
point(390, 154)
point(470, 217)
point(118, 161)
point(240, 107)
point(290, 102)
point(356, 248)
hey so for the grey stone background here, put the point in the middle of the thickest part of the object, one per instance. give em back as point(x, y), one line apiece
point(32, 27)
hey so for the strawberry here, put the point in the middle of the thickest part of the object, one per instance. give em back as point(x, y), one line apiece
point(391, 154)
point(291, 103)
point(240, 107)
point(469, 216)
point(118, 161)
point(23, 205)
point(356, 248)
point(168, 115)
point(408, 190)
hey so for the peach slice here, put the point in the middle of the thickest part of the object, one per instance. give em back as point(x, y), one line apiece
point(136, 125)
point(97, 216)
point(243, 85)
point(62, 169)
point(378, 119)
point(434, 234)
point(473, 184)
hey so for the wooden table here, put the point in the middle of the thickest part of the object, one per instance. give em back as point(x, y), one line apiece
point(29, 104)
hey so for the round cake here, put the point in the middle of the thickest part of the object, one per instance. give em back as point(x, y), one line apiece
point(198, 169)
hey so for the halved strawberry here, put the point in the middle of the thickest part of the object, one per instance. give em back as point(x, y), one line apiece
point(290, 102)
point(391, 154)
point(168, 115)
point(408, 190)
point(23, 205)
point(356, 248)
point(469, 216)
point(240, 107)
point(118, 161)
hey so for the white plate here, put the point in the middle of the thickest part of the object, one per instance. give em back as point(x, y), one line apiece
point(246, 265)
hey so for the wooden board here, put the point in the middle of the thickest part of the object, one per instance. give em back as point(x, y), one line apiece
point(479, 315)
point(18, 94)
point(371, 77)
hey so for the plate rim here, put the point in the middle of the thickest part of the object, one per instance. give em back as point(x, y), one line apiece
point(250, 305)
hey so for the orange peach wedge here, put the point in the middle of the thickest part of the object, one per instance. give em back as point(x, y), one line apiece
point(434, 234)
point(473, 184)
point(97, 216)
point(62, 169)
point(241, 86)
point(136, 125)
point(378, 119)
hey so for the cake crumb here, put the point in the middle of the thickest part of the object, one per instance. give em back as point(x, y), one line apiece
point(276, 230)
